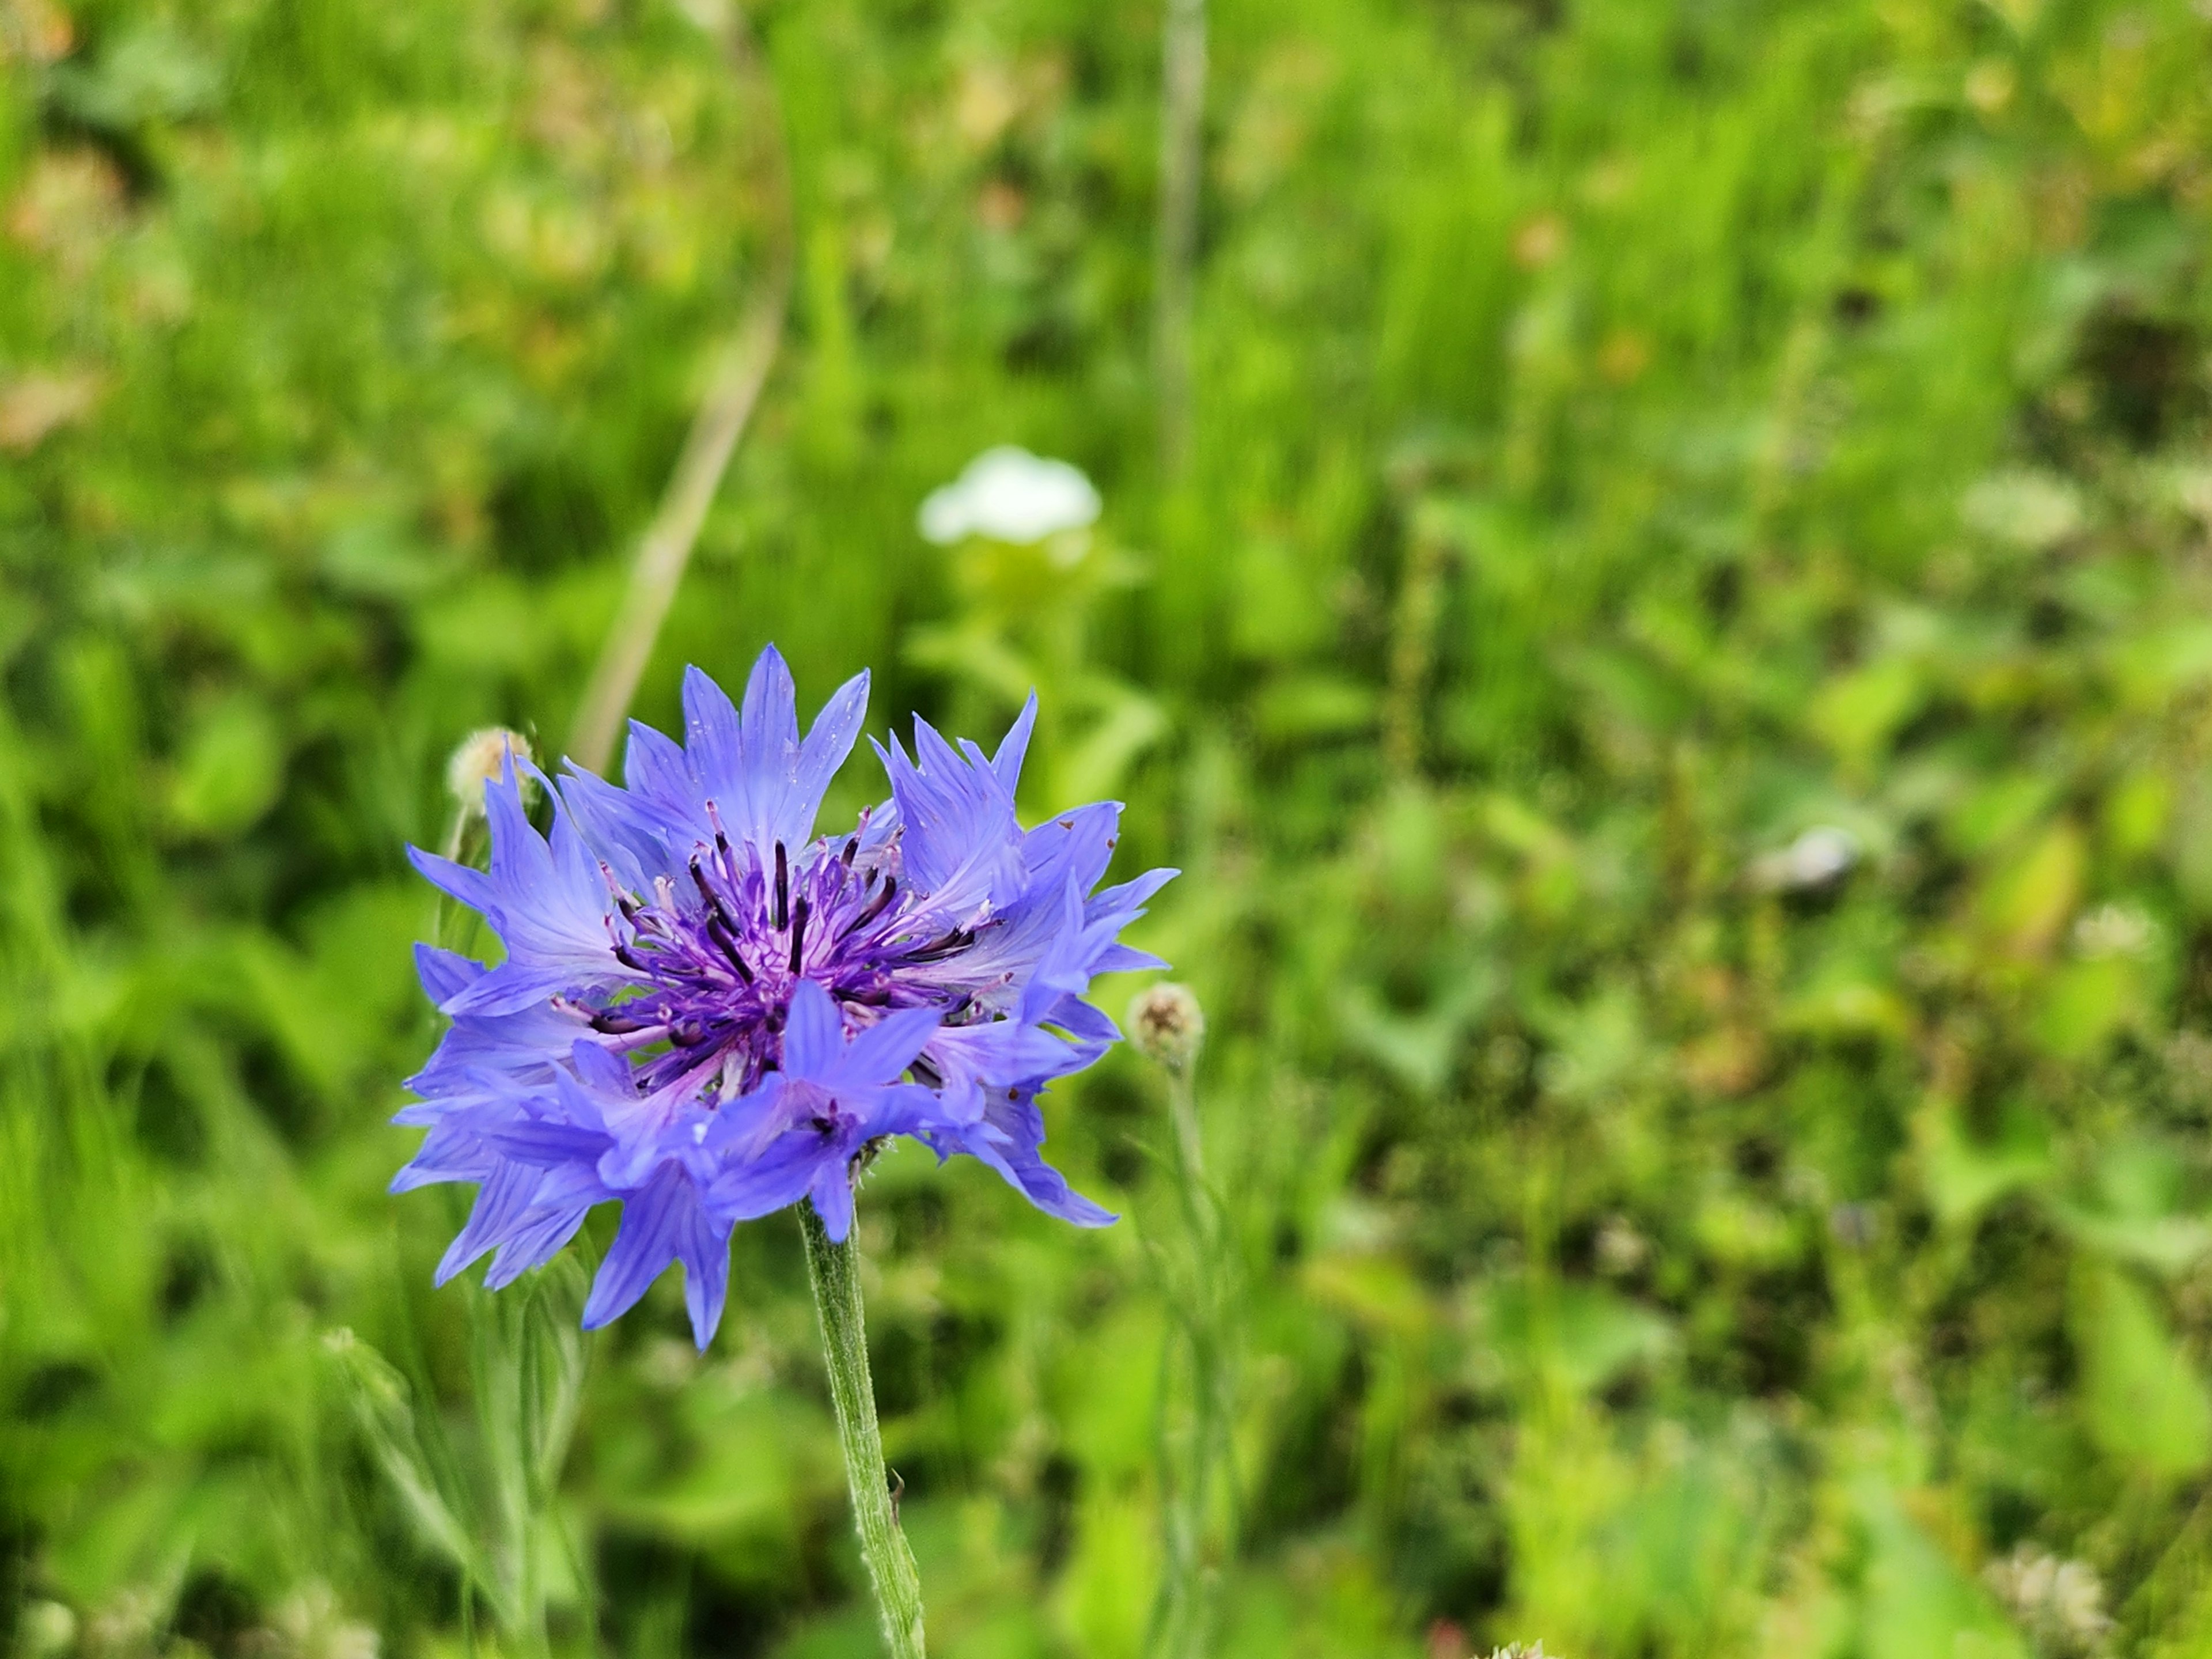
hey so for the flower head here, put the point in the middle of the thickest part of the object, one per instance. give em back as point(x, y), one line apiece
point(477, 759)
point(1167, 1024)
point(705, 1012)
point(1010, 496)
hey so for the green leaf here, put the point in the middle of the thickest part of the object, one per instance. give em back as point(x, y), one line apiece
point(2029, 900)
point(1584, 1334)
point(2143, 1399)
point(231, 770)
point(1858, 713)
point(430, 1488)
point(1914, 1601)
point(1965, 1174)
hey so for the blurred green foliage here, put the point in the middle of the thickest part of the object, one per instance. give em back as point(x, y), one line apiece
point(1632, 434)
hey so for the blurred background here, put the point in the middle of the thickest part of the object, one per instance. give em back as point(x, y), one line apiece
point(1663, 604)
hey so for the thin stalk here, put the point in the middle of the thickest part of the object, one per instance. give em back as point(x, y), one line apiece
point(1182, 114)
point(835, 1270)
point(449, 920)
point(1180, 1617)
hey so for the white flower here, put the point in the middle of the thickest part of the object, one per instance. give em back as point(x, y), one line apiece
point(2061, 1603)
point(1822, 855)
point(1010, 496)
point(2114, 930)
point(311, 1625)
point(2030, 511)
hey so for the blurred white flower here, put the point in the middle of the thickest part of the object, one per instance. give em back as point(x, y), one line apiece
point(2061, 1604)
point(1822, 855)
point(311, 1625)
point(2114, 930)
point(2030, 511)
point(128, 1624)
point(1010, 496)
point(1621, 1248)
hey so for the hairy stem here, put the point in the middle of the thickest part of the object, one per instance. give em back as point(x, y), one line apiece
point(1180, 1613)
point(835, 1270)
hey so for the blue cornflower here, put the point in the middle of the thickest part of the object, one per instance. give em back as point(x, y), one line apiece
point(705, 1012)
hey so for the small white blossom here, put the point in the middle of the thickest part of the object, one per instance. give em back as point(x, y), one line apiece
point(1823, 854)
point(2114, 930)
point(1009, 495)
point(2060, 1603)
point(2030, 511)
point(310, 1624)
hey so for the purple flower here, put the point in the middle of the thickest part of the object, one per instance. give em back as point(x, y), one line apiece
point(705, 1014)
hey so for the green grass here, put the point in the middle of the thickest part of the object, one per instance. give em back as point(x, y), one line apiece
point(1627, 435)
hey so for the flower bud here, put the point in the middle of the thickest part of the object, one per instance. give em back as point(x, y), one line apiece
point(481, 757)
point(1167, 1024)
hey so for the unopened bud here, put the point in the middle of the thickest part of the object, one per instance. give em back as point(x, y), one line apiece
point(481, 757)
point(1167, 1024)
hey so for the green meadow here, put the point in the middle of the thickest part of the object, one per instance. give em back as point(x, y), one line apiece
point(1665, 617)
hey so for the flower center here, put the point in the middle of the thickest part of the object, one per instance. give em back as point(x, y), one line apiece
point(721, 953)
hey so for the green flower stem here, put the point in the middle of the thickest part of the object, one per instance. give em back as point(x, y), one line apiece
point(835, 1271)
point(1181, 1614)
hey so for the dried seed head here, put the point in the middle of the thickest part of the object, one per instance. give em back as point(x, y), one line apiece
point(480, 758)
point(1167, 1024)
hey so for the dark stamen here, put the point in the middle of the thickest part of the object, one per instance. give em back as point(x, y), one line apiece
point(727, 944)
point(686, 1033)
point(944, 945)
point(628, 959)
point(714, 899)
point(782, 888)
point(926, 1074)
point(877, 906)
point(798, 931)
point(614, 1024)
point(852, 848)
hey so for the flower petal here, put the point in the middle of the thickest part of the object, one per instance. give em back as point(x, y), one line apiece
point(653, 1220)
point(765, 785)
point(1007, 761)
point(831, 1195)
point(1010, 1139)
point(961, 847)
point(813, 1033)
point(883, 1052)
point(704, 1250)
